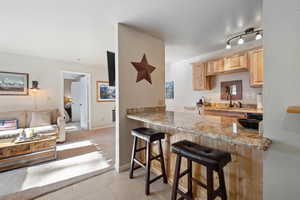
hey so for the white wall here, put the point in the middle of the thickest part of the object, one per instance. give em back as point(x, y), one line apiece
point(49, 74)
point(67, 87)
point(132, 45)
point(181, 73)
point(282, 88)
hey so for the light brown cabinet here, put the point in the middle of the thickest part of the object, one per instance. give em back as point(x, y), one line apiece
point(236, 62)
point(256, 64)
point(251, 60)
point(215, 66)
point(229, 64)
point(200, 79)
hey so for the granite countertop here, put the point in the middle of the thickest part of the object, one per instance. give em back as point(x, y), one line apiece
point(218, 127)
point(237, 110)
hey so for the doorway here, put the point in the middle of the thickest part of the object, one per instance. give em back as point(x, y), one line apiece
point(76, 100)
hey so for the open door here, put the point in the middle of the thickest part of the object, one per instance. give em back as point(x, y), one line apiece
point(76, 101)
point(84, 108)
point(76, 91)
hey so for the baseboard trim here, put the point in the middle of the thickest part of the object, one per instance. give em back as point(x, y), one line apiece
point(122, 168)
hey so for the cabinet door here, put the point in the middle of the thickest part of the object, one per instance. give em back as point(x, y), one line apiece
point(256, 62)
point(200, 79)
point(210, 68)
point(235, 62)
point(219, 65)
point(215, 66)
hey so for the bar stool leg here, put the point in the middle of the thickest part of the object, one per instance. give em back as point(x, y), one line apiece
point(133, 157)
point(148, 165)
point(190, 178)
point(222, 184)
point(176, 178)
point(210, 184)
point(162, 163)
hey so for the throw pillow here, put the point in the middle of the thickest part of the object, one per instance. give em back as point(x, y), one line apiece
point(40, 119)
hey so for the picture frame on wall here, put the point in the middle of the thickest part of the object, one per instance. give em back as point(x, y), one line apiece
point(169, 89)
point(13, 83)
point(105, 93)
point(233, 88)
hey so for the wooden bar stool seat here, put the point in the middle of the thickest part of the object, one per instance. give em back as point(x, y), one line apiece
point(149, 136)
point(212, 159)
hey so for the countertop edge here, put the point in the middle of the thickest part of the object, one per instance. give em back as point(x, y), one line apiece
point(234, 110)
point(264, 145)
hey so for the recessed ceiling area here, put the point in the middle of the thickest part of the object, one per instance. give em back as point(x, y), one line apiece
point(82, 31)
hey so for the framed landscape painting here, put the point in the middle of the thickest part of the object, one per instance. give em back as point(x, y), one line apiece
point(169, 90)
point(105, 93)
point(12, 83)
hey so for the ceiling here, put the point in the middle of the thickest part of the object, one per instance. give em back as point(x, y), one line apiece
point(82, 30)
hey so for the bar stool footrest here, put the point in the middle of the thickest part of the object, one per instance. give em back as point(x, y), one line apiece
point(184, 195)
point(200, 183)
point(156, 158)
point(156, 178)
point(139, 163)
point(140, 149)
point(185, 172)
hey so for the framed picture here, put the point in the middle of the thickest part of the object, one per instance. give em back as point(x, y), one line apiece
point(12, 83)
point(169, 90)
point(233, 89)
point(105, 93)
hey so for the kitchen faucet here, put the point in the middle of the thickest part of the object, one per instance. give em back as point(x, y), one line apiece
point(229, 96)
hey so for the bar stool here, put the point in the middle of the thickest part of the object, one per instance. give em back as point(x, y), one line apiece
point(149, 136)
point(212, 159)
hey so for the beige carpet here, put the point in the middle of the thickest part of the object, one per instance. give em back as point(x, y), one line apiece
point(85, 154)
point(112, 186)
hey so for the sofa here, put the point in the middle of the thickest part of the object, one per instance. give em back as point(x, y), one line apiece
point(41, 121)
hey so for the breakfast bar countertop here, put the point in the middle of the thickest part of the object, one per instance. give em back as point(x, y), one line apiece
point(237, 110)
point(217, 127)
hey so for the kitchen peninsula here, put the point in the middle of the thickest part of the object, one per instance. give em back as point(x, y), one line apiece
point(243, 174)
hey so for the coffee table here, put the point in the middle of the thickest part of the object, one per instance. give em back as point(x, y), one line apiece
point(14, 155)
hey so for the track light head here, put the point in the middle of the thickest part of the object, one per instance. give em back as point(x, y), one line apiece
point(241, 41)
point(258, 36)
point(228, 45)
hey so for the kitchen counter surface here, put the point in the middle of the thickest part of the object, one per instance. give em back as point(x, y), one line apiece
point(217, 127)
point(237, 110)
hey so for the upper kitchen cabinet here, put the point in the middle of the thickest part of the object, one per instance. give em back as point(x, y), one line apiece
point(256, 64)
point(236, 63)
point(200, 79)
point(215, 66)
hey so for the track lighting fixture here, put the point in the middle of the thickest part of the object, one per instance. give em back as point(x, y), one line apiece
point(248, 33)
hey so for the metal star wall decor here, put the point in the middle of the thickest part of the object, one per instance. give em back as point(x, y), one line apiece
point(144, 70)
